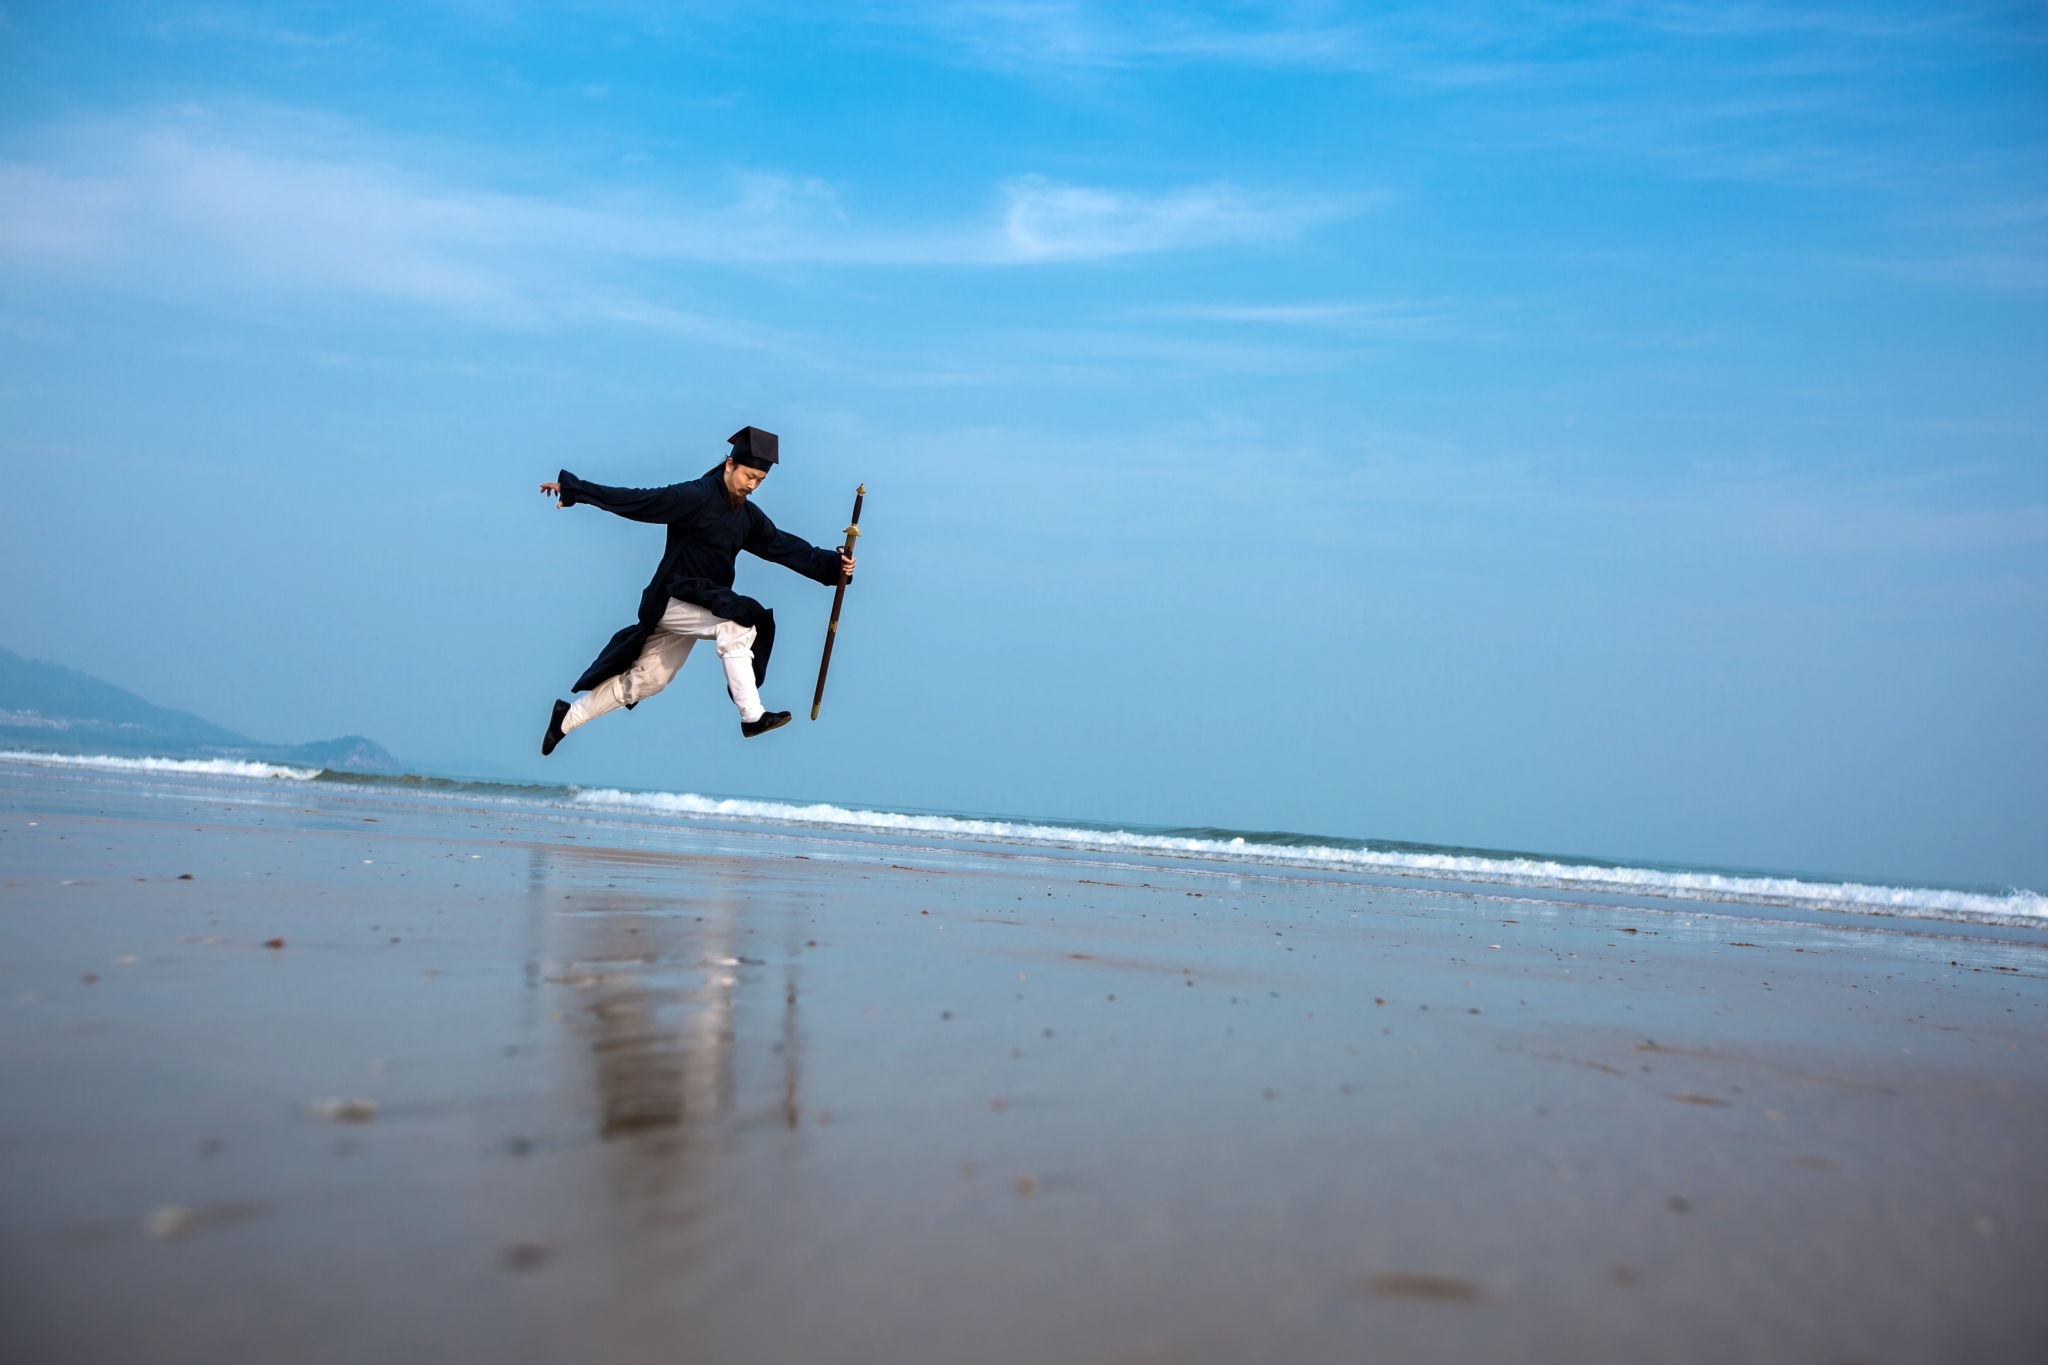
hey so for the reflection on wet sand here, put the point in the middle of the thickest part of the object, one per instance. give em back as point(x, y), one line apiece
point(792, 1056)
point(654, 989)
point(658, 968)
point(657, 1001)
point(642, 1067)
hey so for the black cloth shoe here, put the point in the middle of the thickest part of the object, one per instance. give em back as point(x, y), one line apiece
point(770, 720)
point(553, 737)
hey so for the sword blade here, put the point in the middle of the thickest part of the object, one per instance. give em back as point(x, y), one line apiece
point(838, 600)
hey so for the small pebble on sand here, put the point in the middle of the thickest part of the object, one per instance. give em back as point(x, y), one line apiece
point(171, 1222)
point(1409, 1284)
point(338, 1110)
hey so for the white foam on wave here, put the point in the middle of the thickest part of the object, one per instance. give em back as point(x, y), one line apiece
point(2018, 906)
point(205, 767)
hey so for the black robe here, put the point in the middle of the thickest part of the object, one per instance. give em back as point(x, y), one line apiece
point(705, 535)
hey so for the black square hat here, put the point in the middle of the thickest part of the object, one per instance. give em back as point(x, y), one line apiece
point(753, 446)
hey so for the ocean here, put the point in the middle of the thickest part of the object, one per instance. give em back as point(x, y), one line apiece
point(1647, 881)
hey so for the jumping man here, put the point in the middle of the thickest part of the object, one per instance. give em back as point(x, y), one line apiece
point(709, 522)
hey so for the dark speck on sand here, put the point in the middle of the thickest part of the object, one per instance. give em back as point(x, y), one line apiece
point(1405, 1284)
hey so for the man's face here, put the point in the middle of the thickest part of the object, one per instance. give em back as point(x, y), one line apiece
point(741, 479)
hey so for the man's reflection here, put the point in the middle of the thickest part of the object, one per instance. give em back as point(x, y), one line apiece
point(658, 999)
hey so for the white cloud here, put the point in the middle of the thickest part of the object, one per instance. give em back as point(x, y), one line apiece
point(163, 210)
point(174, 216)
point(1432, 43)
point(1047, 221)
point(1990, 270)
point(1021, 34)
point(1378, 316)
point(1806, 94)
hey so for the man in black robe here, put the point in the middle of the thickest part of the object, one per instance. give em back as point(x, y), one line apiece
point(709, 520)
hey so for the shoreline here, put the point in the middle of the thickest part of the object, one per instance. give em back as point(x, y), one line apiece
point(1595, 882)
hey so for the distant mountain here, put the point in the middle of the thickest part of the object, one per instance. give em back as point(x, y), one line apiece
point(47, 706)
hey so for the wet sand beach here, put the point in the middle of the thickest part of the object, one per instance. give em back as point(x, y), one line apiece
point(391, 1078)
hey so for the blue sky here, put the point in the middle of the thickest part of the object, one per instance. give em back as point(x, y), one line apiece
point(1611, 429)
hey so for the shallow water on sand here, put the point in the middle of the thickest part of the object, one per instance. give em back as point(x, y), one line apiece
point(650, 1091)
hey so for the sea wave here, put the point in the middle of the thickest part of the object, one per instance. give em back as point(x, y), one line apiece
point(1985, 905)
point(207, 767)
point(2014, 906)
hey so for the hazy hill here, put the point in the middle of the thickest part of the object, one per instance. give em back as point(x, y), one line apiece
point(47, 706)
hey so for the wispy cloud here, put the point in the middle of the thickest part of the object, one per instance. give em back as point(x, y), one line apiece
point(1363, 315)
point(1024, 35)
point(162, 208)
point(249, 24)
point(1752, 20)
point(1047, 221)
point(1433, 42)
point(1821, 94)
point(1990, 271)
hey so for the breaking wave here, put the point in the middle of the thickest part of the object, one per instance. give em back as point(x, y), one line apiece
point(205, 767)
point(2014, 906)
point(1984, 905)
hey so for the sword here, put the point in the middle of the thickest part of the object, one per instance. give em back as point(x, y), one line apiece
point(839, 597)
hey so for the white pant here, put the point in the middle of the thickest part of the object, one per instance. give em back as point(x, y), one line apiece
point(662, 657)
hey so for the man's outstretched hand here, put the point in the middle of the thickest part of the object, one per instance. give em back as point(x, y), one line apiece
point(554, 490)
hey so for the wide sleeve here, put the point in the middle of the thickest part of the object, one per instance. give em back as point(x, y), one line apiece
point(660, 505)
point(792, 552)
